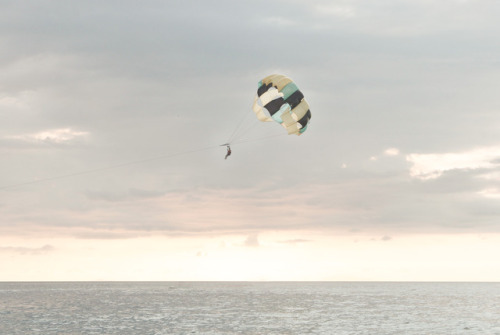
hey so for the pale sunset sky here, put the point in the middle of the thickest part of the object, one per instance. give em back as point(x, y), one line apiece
point(112, 113)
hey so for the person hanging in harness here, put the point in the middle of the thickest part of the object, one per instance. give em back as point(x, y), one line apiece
point(228, 152)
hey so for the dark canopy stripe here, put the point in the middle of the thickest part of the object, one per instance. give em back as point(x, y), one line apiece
point(295, 99)
point(305, 119)
point(274, 105)
point(264, 88)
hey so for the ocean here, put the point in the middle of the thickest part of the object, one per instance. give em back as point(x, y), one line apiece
point(158, 308)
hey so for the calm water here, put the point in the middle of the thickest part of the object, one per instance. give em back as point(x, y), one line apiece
point(155, 308)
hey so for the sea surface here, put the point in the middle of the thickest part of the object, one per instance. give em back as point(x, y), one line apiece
point(155, 308)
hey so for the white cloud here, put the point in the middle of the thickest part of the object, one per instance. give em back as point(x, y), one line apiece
point(14, 102)
point(431, 166)
point(56, 136)
point(391, 152)
point(492, 193)
point(280, 21)
point(335, 10)
point(492, 176)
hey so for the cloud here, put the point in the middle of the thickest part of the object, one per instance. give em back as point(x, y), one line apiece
point(490, 175)
point(28, 251)
point(491, 193)
point(295, 241)
point(252, 241)
point(127, 195)
point(102, 234)
point(51, 136)
point(391, 152)
point(16, 102)
point(406, 18)
point(432, 166)
point(459, 201)
point(335, 10)
point(279, 21)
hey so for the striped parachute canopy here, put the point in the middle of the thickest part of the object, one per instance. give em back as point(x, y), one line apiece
point(279, 99)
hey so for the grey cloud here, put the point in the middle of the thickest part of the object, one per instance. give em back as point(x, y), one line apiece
point(130, 194)
point(364, 202)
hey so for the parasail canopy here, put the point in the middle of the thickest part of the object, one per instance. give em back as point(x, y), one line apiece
point(279, 99)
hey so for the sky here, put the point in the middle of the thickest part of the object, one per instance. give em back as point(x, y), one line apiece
point(112, 116)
